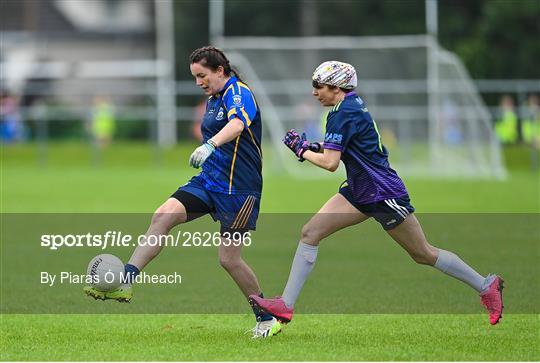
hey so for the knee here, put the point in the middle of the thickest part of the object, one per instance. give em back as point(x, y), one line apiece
point(310, 235)
point(229, 263)
point(424, 257)
point(167, 217)
point(160, 223)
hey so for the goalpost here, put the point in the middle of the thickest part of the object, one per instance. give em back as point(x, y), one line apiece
point(428, 110)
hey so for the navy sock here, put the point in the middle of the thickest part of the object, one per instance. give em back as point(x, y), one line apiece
point(261, 316)
point(130, 272)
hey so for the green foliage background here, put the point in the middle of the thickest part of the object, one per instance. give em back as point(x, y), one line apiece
point(495, 38)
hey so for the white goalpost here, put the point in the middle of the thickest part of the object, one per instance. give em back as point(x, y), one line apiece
point(430, 114)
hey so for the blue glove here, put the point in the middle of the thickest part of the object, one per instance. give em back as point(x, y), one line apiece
point(199, 156)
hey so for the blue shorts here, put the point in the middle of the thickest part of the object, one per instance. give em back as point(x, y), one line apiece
point(235, 212)
point(390, 213)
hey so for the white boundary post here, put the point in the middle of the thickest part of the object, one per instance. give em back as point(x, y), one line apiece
point(166, 95)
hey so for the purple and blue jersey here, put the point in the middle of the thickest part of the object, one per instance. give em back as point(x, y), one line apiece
point(351, 130)
point(235, 167)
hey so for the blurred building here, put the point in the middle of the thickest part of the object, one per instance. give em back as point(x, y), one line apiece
point(64, 40)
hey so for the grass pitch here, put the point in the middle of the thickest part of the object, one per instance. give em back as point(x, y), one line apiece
point(128, 181)
point(310, 337)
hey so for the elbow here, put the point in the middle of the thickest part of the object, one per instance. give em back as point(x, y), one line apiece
point(239, 127)
point(332, 167)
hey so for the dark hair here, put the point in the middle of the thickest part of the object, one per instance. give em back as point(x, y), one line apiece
point(318, 85)
point(212, 57)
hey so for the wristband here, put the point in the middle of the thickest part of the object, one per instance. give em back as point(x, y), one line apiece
point(212, 142)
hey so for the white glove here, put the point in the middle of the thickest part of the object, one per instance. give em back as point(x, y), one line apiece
point(199, 156)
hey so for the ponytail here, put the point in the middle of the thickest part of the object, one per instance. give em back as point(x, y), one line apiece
point(212, 57)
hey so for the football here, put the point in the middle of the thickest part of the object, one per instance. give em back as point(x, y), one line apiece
point(106, 271)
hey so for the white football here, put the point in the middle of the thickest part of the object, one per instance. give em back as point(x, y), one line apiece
point(106, 271)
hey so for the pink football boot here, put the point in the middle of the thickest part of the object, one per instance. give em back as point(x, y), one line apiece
point(492, 300)
point(275, 307)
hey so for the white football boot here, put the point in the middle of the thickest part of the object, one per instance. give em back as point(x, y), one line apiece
point(266, 329)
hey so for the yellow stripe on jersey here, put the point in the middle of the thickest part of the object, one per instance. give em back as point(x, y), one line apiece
point(243, 85)
point(254, 143)
point(244, 113)
point(227, 90)
point(232, 164)
point(234, 111)
point(240, 85)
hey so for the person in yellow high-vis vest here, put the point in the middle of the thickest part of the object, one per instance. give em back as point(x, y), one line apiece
point(506, 126)
point(530, 125)
point(103, 122)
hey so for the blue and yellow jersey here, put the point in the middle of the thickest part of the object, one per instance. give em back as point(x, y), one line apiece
point(235, 167)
